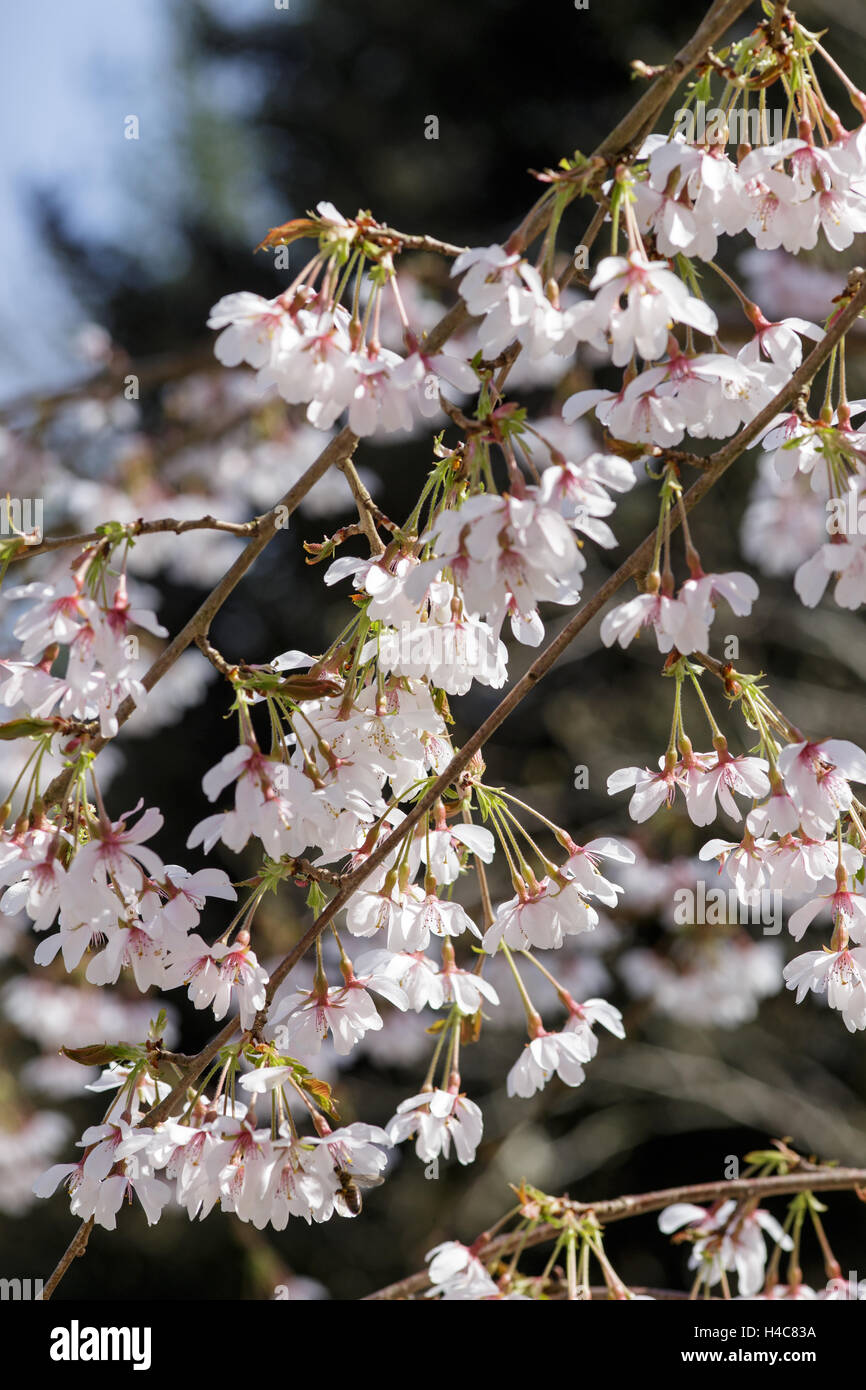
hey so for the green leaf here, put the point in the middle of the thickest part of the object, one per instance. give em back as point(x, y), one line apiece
point(26, 728)
point(100, 1054)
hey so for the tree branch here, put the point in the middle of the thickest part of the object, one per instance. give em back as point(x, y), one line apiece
point(77, 1246)
point(626, 135)
point(341, 446)
point(825, 1179)
point(367, 508)
point(140, 528)
point(717, 464)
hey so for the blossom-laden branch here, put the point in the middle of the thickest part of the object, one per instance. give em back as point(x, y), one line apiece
point(718, 19)
point(634, 565)
point(268, 527)
point(360, 762)
point(626, 134)
point(492, 1253)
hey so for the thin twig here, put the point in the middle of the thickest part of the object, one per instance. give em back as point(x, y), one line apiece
point(76, 1246)
point(216, 659)
point(638, 560)
point(413, 241)
point(366, 506)
point(141, 528)
point(341, 446)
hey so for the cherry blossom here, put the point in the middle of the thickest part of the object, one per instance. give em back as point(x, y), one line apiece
point(841, 975)
point(435, 1119)
point(346, 1013)
point(727, 1240)
point(745, 776)
point(457, 1275)
point(334, 752)
point(816, 775)
point(544, 1056)
point(655, 298)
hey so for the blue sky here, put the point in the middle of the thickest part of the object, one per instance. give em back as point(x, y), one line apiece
point(72, 73)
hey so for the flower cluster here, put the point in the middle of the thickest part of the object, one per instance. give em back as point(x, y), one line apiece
point(791, 843)
point(101, 648)
point(218, 1157)
point(316, 353)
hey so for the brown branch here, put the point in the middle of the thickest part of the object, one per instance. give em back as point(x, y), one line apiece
point(825, 1179)
point(627, 133)
point(216, 658)
point(302, 868)
point(721, 14)
point(638, 560)
point(367, 508)
point(77, 1246)
point(627, 137)
point(717, 464)
point(622, 139)
point(141, 528)
point(412, 241)
point(780, 13)
point(587, 241)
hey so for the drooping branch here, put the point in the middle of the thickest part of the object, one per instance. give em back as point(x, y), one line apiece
point(621, 143)
point(625, 135)
point(77, 1246)
point(637, 561)
point(717, 465)
point(811, 1179)
point(367, 509)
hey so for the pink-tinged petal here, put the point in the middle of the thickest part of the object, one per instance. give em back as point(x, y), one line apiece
point(621, 779)
point(680, 1214)
point(847, 756)
point(768, 1223)
point(799, 920)
point(811, 579)
point(581, 402)
point(611, 849)
point(477, 838)
point(225, 771)
point(48, 1182)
